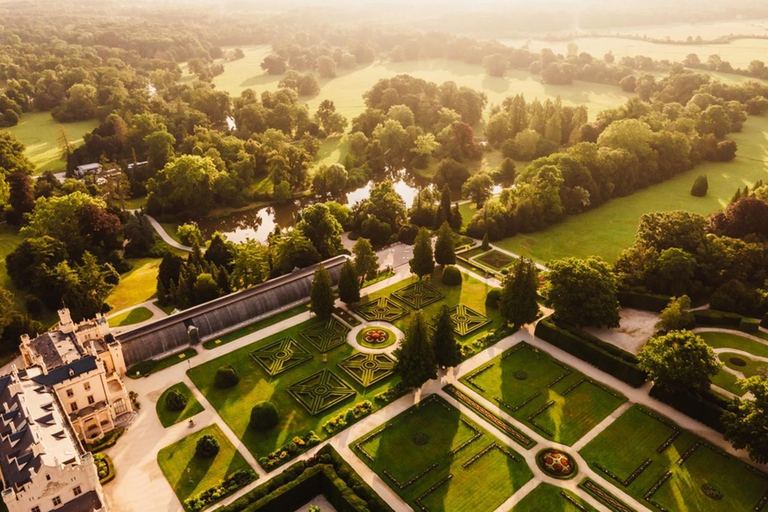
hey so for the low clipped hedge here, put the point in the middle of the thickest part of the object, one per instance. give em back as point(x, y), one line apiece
point(714, 318)
point(606, 357)
point(750, 325)
point(326, 473)
point(644, 301)
point(706, 408)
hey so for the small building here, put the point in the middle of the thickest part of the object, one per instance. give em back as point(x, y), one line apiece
point(82, 364)
point(84, 170)
point(43, 464)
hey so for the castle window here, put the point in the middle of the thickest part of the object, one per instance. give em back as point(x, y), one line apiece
point(48, 477)
point(73, 406)
point(77, 491)
point(70, 393)
point(35, 509)
point(90, 399)
point(56, 501)
point(87, 386)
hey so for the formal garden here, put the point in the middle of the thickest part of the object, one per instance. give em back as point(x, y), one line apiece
point(553, 399)
point(741, 356)
point(549, 498)
point(176, 404)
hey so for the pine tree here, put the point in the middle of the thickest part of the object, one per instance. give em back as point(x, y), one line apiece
point(444, 253)
point(445, 213)
point(223, 281)
point(322, 293)
point(349, 284)
point(366, 260)
point(447, 353)
point(416, 356)
point(736, 195)
point(518, 303)
point(422, 264)
point(486, 245)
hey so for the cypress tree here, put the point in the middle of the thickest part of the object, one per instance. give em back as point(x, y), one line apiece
point(444, 253)
point(445, 206)
point(322, 293)
point(416, 356)
point(518, 303)
point(349, 284)
point(422, 263)
point(447, 353)
point(486, 245)
point(736, 195)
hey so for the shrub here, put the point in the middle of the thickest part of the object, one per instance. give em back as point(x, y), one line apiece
point(492, 299)
point(264, 416)
point(226, 377)
point(451, 276)
point(700, 186)
point(207, 447)
point(175, 400)
point(407, 234)
point(644, 301)
point(751, 325)
point(713, 318)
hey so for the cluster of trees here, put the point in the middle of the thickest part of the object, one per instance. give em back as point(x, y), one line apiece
point(324, 60)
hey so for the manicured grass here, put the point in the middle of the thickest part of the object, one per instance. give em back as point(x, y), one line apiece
point(188, 474)
point(752, 367)
point(430, 433)
point(727, 381)
point(256, 326)
point(144, 368)
point(39, 132)
point(548, 498)
point(134, 316)
point(234, 404)
point(495, 259)
point(635, 437)
point(728, 340)
point(550, 397)
point(607, 230)
point(137, 285)
point(168, 417)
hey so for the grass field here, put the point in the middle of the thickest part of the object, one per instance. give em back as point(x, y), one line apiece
point(134, 316)
point(439, 442)
point(548, 498)
point(234, 404)
point(555, 400)
point(188, 474)
point(137, 285)
point(607, 230)
point(168, 417)
point(636, 437)
point(346, 90)
point(39, 132)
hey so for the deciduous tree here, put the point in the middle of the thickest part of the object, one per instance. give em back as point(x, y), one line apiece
point(679, 361)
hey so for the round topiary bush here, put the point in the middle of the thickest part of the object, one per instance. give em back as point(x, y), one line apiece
point(207, 447)
point(175, 400)
point(226, 377)
point(700, 186)
point(492, 299)
point(451, 276)
point(264, 416)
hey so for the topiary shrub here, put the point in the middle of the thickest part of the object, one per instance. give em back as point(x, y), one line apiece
point(207, 447)
point(175, 400)
point(226, 377)
point(700, 186)
point(264, 416)
point(451, 276)
point(492, 299)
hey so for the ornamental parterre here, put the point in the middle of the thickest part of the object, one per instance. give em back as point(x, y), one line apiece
point(556, 463)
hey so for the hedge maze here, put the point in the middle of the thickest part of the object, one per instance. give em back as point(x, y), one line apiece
point(280, 356)
point(367, 369)
point(327, 335)
point(320, 391)
point(383, 309)
point(466, 320)
point(418, 295)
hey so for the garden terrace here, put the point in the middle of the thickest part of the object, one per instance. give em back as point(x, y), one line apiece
point(548, 498)
point(452, 463)
point(558, 402)
point(221, 315)
point(495, 259)
point(667, 468)
point(306, 394)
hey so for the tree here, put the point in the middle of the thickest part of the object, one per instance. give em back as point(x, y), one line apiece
point(518, 303)
point(444, 252)
point(292, 250)
point(159, 146)
point(205, 288)
point(175, 400)
point(184, 186)
point(496, 64)
point(326, 67)
point(322, 229)
point(21, 198)
point(220, 252)
point(583, 292)
point(485, 244)
point(478, 188)
point(422, 264)
point(447, 352)
point(416, 362)
point(264, 416)
point(329, 180)
point(366, 260)
point(676, 316)
point(274, 64)
point(679, 361)
point(700, 186)
point(321, 293)
point(747, 422)
point(329, 120)
point(226, 377)
point(250, 264)
point(207, 447)
point(349, 283)
point(451, 173)
point(444, 211)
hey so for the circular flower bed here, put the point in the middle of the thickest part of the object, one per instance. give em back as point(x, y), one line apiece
point(520, 375)
point(376, 337)
point(420, 439)
point(737, 361)
point(556, 463)
point(712, 492)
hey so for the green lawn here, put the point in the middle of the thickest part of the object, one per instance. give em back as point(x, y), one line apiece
point(550, 397)
point(134, 316)
point(548, 498)
point(137, 285)
point(256, 326)
point(636, 437)
point(40, 132)
point(439, 442)
point(728, 340)
point(188, 474)
point(750, 369)
point(168, 417)
point(144, 368)
point(234, 404)
point(607, 230)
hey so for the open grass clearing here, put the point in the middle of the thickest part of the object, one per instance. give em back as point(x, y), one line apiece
point(556, 401)
point(134, 316)
point(549, 498)
point(168, 417)
point(452, 463)
point(137, 285)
